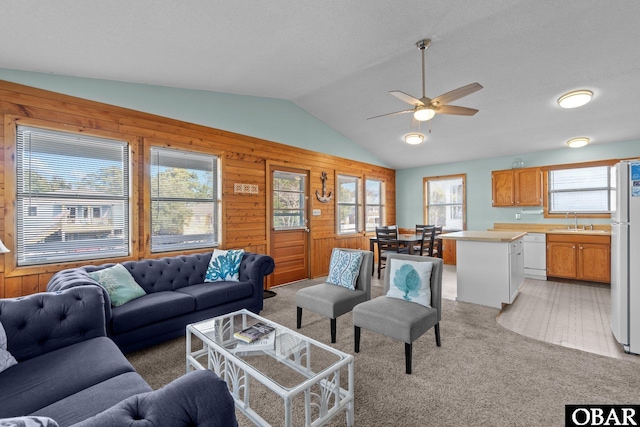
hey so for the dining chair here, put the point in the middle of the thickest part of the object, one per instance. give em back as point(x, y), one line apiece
point(334, 300)
point(437, 243)
point(428, 240)
point(411, 309)
point(419, 228)
point(387, 238)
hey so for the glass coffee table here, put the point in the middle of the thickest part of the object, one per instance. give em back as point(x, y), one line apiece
point(306, 374)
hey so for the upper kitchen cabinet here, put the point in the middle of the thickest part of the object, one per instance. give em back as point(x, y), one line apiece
point(517, 187)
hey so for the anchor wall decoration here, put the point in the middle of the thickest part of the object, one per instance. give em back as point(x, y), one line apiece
point(324, 198)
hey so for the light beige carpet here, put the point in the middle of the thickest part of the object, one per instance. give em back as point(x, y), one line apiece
point(483, 375)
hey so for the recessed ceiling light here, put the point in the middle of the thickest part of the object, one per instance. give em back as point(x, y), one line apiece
point(578, 142)
point(576, 98)
point(414, 138)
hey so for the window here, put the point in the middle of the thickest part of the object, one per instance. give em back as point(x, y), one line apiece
point(288, 200)
point(445, 201)
point(61, 174)
point(184, 200)
point(584, 190)
point(349, 204)
point(374, 209)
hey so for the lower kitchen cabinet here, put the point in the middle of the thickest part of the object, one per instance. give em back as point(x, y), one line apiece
point(583, 257)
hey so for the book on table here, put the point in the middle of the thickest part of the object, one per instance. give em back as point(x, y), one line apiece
point(254, 332)
point(267, 342)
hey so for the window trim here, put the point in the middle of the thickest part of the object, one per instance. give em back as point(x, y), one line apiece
point(545, 186)
point(358, 204)
point(425, 196)
point(11, 268)
point(146, 196)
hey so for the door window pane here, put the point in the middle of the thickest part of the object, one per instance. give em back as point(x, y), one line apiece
point(289, 200)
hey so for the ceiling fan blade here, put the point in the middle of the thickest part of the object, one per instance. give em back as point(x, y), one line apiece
point(406, 98)
point(391, 114)
point(456, 94)
point(459, 111)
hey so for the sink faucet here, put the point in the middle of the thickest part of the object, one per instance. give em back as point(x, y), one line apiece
point(575, 217)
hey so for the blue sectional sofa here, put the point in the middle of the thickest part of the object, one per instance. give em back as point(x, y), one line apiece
point(176, 295)
point(69, 371)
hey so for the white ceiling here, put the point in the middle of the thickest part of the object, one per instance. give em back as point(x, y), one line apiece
point(337, 59)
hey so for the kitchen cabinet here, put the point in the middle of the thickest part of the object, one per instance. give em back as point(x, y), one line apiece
point(449, 251)
point(516, 187)
point(582, 257)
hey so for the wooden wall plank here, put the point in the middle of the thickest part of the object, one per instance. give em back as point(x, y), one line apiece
point(243, 158)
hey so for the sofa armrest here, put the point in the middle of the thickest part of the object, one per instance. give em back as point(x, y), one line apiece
point(74, 277)
point(199, 398)
point(254, 268)
point(39, 323)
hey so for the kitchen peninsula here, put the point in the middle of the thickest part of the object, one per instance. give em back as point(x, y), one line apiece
point(490, 266)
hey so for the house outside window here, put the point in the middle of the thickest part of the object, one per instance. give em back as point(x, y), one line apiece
point(349, 204)
point(445, 201)
point(584, 190)
point(184, 200)
point(56, 170)
point(374, 204)
point(289, 200)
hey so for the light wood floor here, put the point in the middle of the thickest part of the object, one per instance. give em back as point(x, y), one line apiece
point(573, 315)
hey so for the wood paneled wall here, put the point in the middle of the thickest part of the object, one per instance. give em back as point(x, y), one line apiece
point(244, 160)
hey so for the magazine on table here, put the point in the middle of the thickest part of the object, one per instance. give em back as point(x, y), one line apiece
point(254, 332)
point(267, 342)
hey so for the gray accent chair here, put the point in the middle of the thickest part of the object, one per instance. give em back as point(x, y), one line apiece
point(333, 301)
point(399, 319)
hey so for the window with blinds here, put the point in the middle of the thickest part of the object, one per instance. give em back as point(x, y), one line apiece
point(184, 200)
point(581, 190)
point(349, 204)
point(72, 197)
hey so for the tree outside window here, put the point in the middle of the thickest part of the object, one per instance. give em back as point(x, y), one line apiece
point(374, 206)
point(349, 204)
point(445, 201)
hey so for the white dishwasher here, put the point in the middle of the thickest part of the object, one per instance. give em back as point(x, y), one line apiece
point(535, 256)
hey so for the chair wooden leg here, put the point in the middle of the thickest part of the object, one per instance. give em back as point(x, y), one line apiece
point(298, 317)
point(356, 341)
point(407, 356)
point(333, 330)
point(437, 329)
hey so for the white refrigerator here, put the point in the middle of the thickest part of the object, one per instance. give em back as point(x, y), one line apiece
point(625, 257)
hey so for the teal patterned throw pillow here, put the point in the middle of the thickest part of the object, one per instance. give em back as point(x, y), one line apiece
point(224, 266)
point(344, 268)
point(410, 281)
point(119, 284)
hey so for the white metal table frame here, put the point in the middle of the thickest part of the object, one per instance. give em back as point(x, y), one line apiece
point(293, 352)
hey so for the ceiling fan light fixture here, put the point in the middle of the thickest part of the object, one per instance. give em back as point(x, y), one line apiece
point(576, 98)
point(414, 138)
point(424, 114)
point(578, 142)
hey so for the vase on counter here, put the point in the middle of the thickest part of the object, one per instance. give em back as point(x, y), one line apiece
point(517, 163)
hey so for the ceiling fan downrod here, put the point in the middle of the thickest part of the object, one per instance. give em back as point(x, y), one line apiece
point(423, 45)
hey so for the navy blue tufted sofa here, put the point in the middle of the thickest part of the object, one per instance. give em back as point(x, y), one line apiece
point(70, 371)
point(176, 296)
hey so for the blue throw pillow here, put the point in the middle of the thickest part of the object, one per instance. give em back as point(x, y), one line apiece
point(119, 284)
point(410, 281)
point(224, 266)
point(6, 359)
point(344, 268)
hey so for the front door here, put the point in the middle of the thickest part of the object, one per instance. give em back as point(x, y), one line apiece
point(289, 224)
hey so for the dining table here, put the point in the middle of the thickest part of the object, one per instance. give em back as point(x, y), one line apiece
point(409, 240)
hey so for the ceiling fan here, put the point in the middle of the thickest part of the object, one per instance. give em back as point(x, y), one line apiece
point(425, 108)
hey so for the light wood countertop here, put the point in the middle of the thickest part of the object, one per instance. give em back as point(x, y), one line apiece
point(484, 236)
point(600, 229)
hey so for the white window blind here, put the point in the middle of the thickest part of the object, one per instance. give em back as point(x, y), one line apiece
point(580, 190)
point(184, 200)
point(72, 197)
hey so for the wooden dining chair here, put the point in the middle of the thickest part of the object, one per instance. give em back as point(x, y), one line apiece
point(437, 243)
point(428, 240)
point(387, 243)
point(419, 228)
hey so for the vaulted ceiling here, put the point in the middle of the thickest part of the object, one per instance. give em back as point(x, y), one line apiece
point(338, 59)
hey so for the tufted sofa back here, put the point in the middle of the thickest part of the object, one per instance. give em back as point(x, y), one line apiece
point(40, 323)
